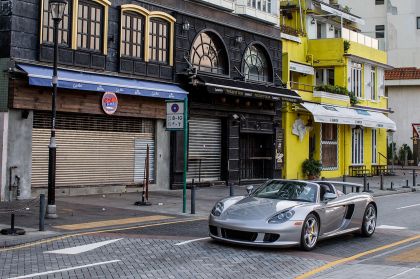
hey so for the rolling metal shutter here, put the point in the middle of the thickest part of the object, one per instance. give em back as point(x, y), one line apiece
point(204, 144)
point(92, 150)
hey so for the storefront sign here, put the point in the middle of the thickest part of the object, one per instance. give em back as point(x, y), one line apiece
point(416, 130)
point(279, 162)
point(109, 102)
point(174, 115)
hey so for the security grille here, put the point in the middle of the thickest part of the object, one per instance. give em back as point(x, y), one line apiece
point(204, 146)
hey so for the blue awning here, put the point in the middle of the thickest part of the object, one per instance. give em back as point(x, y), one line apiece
point(41, 76)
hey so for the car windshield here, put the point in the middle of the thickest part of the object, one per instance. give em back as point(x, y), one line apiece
point(287, 190)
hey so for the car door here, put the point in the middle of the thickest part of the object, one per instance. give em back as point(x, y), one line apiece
point(333, 212)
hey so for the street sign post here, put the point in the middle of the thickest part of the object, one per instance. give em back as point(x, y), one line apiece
point(177, 120)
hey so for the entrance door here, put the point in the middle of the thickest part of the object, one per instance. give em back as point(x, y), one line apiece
point(256, 156)
point(357, 147)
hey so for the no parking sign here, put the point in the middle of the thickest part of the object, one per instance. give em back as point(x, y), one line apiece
point(174, 115)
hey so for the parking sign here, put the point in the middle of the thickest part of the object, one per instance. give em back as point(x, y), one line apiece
point(174, 115)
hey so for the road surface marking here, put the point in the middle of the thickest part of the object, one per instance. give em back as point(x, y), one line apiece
point(404, 272)
point(387, 227)
point(354, 257)
point(408, 206)
point(82, 248)
point(64, 269)
point(388, 252)
point(192, 240)
point(96, 232)
point(115, 222)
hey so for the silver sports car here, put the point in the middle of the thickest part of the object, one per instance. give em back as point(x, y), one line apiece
point(291, 212)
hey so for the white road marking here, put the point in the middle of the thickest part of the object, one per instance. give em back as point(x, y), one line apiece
point(192, 240)
point(83, 248)
point(408, 206)
point(404, 272)
point(64, 269)
point(387, 227)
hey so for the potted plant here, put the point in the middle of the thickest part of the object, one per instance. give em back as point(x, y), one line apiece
point(311, 168)
point(346, 46)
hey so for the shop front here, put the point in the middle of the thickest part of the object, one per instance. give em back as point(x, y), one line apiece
point(105, 125)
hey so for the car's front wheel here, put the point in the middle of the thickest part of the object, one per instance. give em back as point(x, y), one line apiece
point(310, 232)
point(369, 221)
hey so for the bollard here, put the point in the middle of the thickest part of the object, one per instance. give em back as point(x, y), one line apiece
point(344, 189)
point(364, 183)
point(193, 197)
point(41, 212)
point(414, 178)
point(392, 187)
point(406, 184)
point(231, 192)
point(344, 178)
point(381, 183)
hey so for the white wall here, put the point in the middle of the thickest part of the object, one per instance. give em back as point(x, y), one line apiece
point(402, 36)
point(399, 99)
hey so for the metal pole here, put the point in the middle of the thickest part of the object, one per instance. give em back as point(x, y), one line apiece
point(414, 177)
point(52, 148)
point(147, 172)
point(41, 212)
point(231, 190)
point(344, 178)
point(364, 183)
point(193, 197)
point(184, 190)
point(381, 185)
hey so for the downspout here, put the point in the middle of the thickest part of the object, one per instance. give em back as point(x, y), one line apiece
point(300, 12)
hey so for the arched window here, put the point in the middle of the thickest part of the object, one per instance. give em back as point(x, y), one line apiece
point(132, 35)
point(208, 54)
point(256, 64)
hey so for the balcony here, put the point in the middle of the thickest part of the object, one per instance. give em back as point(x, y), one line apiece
point(359, 38)
point(227, 5)
point(242, 8)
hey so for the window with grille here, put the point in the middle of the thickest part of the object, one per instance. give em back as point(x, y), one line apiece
point(132, 36)
point(208, 54)
point(372, 83)
point(357, 147)
point(159, 41)
point(380, 31)
point(63, 27)
point(256, 66)
point(262, 5)
point(329, 146)
point(90, 26)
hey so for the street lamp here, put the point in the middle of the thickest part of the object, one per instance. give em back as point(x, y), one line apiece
point(57, 8)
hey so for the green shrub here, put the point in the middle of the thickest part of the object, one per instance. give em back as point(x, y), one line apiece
point(311, 167)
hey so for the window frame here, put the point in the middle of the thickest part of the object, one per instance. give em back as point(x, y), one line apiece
point(44, 10)
point(141, 17)
point(158, 48)
point(325, 75)
point(374, 147)
point(217, 46)
point(418, 22)
point(356, 79)
point(333, 141)
point(357, 143)
point(379, 2)
point(373, 78)
point(380, 31)
point(262, 55)
point(89, 35)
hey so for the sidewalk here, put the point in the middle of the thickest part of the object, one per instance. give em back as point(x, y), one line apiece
point(89, 213)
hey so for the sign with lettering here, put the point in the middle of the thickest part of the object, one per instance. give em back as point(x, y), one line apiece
point(416, 130)
point(174, 115)
point(109, 102)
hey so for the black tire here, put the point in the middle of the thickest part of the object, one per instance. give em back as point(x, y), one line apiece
point(310, 233)
point(369, 221)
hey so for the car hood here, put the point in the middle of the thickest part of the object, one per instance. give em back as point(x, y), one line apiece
point(252, 208)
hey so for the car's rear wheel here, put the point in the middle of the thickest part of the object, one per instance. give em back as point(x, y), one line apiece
point(369, 221)
point(310, 232)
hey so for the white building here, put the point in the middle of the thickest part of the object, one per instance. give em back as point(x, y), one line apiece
point(396, 24)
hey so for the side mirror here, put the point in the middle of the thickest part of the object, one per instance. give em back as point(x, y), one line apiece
point(249, 189)
point(329, 196)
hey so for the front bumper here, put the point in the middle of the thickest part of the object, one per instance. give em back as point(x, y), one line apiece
point(255, 233)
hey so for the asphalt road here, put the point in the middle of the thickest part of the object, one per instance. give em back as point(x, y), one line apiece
point(179, 248)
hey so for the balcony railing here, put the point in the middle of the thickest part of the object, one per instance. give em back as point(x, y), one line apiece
point(228, 5)
point(359, 38)
point(301, 86)
point(291, 31)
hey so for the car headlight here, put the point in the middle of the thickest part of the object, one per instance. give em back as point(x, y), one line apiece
point(281, 217)
point(217, 209)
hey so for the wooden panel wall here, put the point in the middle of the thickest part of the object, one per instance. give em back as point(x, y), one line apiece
point(24, 96)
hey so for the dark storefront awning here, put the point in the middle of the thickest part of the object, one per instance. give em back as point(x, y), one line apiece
point(216, 85)
point(77, 80)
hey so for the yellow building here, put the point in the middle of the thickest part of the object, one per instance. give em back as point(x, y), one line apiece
point(339, 73)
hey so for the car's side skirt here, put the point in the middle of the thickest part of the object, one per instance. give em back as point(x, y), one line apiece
point(339, 232)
